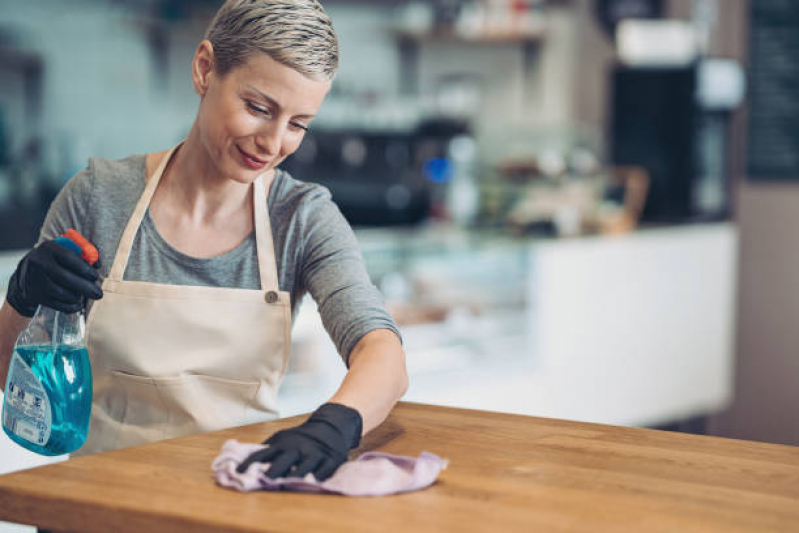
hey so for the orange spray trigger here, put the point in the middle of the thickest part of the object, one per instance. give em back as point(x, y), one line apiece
point(88, 252)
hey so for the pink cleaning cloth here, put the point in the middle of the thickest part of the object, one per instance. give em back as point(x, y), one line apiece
point(371, 474)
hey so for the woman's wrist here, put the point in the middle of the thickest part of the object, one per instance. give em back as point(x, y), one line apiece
point(345, 419)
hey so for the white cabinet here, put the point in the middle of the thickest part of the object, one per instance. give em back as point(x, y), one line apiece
point(636, 330)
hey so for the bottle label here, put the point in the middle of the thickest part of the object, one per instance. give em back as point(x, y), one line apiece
point(27, 407)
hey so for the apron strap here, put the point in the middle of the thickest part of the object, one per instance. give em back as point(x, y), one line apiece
point(267, 265)
point(126, 243)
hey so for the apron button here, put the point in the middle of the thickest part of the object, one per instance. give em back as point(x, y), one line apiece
point(271, 297)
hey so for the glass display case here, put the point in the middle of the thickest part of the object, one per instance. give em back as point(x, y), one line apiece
point(457, 295)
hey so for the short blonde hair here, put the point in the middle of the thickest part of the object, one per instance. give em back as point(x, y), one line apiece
point(297, 33)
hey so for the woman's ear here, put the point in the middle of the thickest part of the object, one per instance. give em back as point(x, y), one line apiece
point(202, 67)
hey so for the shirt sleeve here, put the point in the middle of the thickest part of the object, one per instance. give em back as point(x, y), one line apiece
point(334, 273)
point(70, 208)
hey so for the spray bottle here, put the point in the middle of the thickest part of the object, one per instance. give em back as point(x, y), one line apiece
point(48, 393)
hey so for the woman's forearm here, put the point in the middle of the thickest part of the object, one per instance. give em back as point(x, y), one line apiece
point(11, 325)
point(377, 377)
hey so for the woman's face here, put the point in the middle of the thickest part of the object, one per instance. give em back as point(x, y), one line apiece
point(254, 116)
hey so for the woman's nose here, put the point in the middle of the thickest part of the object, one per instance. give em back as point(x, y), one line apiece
point(269, 139)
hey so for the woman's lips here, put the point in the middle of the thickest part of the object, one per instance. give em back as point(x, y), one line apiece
point(251, 161)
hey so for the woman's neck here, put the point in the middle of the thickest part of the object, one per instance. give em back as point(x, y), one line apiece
point(193, 185)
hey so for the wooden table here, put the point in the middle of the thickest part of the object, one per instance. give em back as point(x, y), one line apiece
point(506, 473)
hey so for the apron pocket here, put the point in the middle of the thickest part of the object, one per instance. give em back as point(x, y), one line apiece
point(169, 407)
point(198, 403)
point(144, 415)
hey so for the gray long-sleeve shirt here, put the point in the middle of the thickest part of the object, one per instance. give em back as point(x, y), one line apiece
point(315, 249)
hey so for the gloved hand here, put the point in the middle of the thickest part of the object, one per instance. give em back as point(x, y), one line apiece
point(53, 276)
point(320, 445)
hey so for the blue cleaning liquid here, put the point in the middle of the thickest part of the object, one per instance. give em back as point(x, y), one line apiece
point(58, 423)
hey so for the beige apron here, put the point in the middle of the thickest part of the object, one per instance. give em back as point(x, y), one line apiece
point(172, 360)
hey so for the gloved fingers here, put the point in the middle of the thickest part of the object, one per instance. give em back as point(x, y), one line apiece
point(50, 291)
point(281, 465)
point(65, 307)
point(261, 456)
point(327, 468)
point(278, 435)
point(308, 464)
point(71, 261)
point(65, 279)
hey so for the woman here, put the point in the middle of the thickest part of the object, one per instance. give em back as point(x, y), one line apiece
point(206, 250)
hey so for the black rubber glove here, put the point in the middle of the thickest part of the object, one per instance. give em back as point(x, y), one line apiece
point(53, 276)
point(320, 445)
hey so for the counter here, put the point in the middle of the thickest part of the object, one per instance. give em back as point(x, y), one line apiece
point(632, 330)
point(506, 473)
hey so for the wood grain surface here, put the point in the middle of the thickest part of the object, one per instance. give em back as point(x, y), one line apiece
point(506, 473)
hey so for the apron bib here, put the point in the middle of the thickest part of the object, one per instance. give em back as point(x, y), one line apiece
point(174, 360)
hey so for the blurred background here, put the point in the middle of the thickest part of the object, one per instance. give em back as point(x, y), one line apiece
point(582, 209)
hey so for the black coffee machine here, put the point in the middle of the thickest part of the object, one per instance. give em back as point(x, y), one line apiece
point(379, 178)
point(659, 124)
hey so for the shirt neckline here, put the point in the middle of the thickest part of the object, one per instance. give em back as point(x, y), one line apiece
point(148, 226)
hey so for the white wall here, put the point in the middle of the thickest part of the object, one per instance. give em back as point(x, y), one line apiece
point(369, 59)
point(99, 96)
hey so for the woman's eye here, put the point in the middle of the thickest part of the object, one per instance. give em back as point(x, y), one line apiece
point(258, 109)
point(268, 113)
